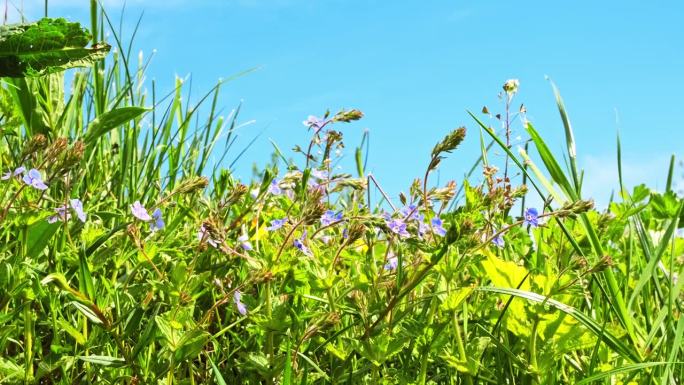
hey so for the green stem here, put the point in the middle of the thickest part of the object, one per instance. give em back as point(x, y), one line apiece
point(28, 344)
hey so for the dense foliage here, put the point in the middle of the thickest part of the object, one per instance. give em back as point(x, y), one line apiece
point(128, 256)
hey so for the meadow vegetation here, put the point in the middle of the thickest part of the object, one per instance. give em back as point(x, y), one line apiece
point(129, 254)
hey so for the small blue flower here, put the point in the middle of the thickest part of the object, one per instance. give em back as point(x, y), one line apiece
point(276, 224)
point(392, 263)
point(319, 174)
point(330, 217)
point(398, 227)
point(409, 212)
point(158, 221)
point(437, 227)
point(315, 123)
point(18, 171)
point(299, 243)
point(77, 206)
point(274, 187)
point(140, 212)
point(34, 180)
point(498, 241)
point(244, 242)
point(203, 236)
point(531, 217)
point(63, 214)
point(237, 299)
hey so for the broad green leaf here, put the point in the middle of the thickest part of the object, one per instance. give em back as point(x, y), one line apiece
point(609, 339)
point(44, 47)
point(190, 345)
point(110, 120)
point(38, 235)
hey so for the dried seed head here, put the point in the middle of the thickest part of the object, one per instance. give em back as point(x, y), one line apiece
point(359, 184)
point(55, 150)
point(191, 185)
point(450, 142)
point(348, 116)
point(35, 144)
point(355, 232)
point(444, 194)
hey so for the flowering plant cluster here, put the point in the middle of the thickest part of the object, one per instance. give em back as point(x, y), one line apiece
point(124, 258)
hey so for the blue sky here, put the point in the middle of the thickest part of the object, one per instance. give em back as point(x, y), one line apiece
point(415, 67)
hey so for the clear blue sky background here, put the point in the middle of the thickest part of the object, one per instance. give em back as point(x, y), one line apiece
point(415, 67)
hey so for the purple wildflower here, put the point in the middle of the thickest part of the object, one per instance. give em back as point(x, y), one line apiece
point(274, 188)
point(18, 171)
point(241, 307)
point(409, 212)
point(254, 193)
point(531, 217)
point(437, 227)
point(330, 217)
point(498, 241)
point(77, 206)
point(276, 224)
point(244, 242)
point(423, 229)
point(158, 221)
point(315, 123)
point(319, 174)
point(203, 235)
point(398, 227)
point(299, 243)
point(392, 263)
point(34, 180)
point(140, 212)
point(63, 214)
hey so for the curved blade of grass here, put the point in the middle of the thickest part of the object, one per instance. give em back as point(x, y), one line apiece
point(620, 370)
point(569, 138)
point(609, 339)
point(551, 164)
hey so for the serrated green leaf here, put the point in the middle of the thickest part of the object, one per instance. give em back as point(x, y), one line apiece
point(46, 46)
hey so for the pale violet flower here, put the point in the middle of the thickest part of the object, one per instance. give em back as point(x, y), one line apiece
point(204, 236)
point(398, 227)
point(392, 263)
point(437, 227)
point(531, 217)
point(319, 174)
point(237, 299)
point(34, 180)
point(140, 212)
point(299, 243)
point(410, 212)
point(276, 224)
point(244, 242)
point(498, 241)
point(63, 213)
point(157, 220)
point(274, 187)
point(18, 171)
point(329, 217)
point(315, 123)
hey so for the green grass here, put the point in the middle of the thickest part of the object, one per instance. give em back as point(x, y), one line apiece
point(587, 297)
